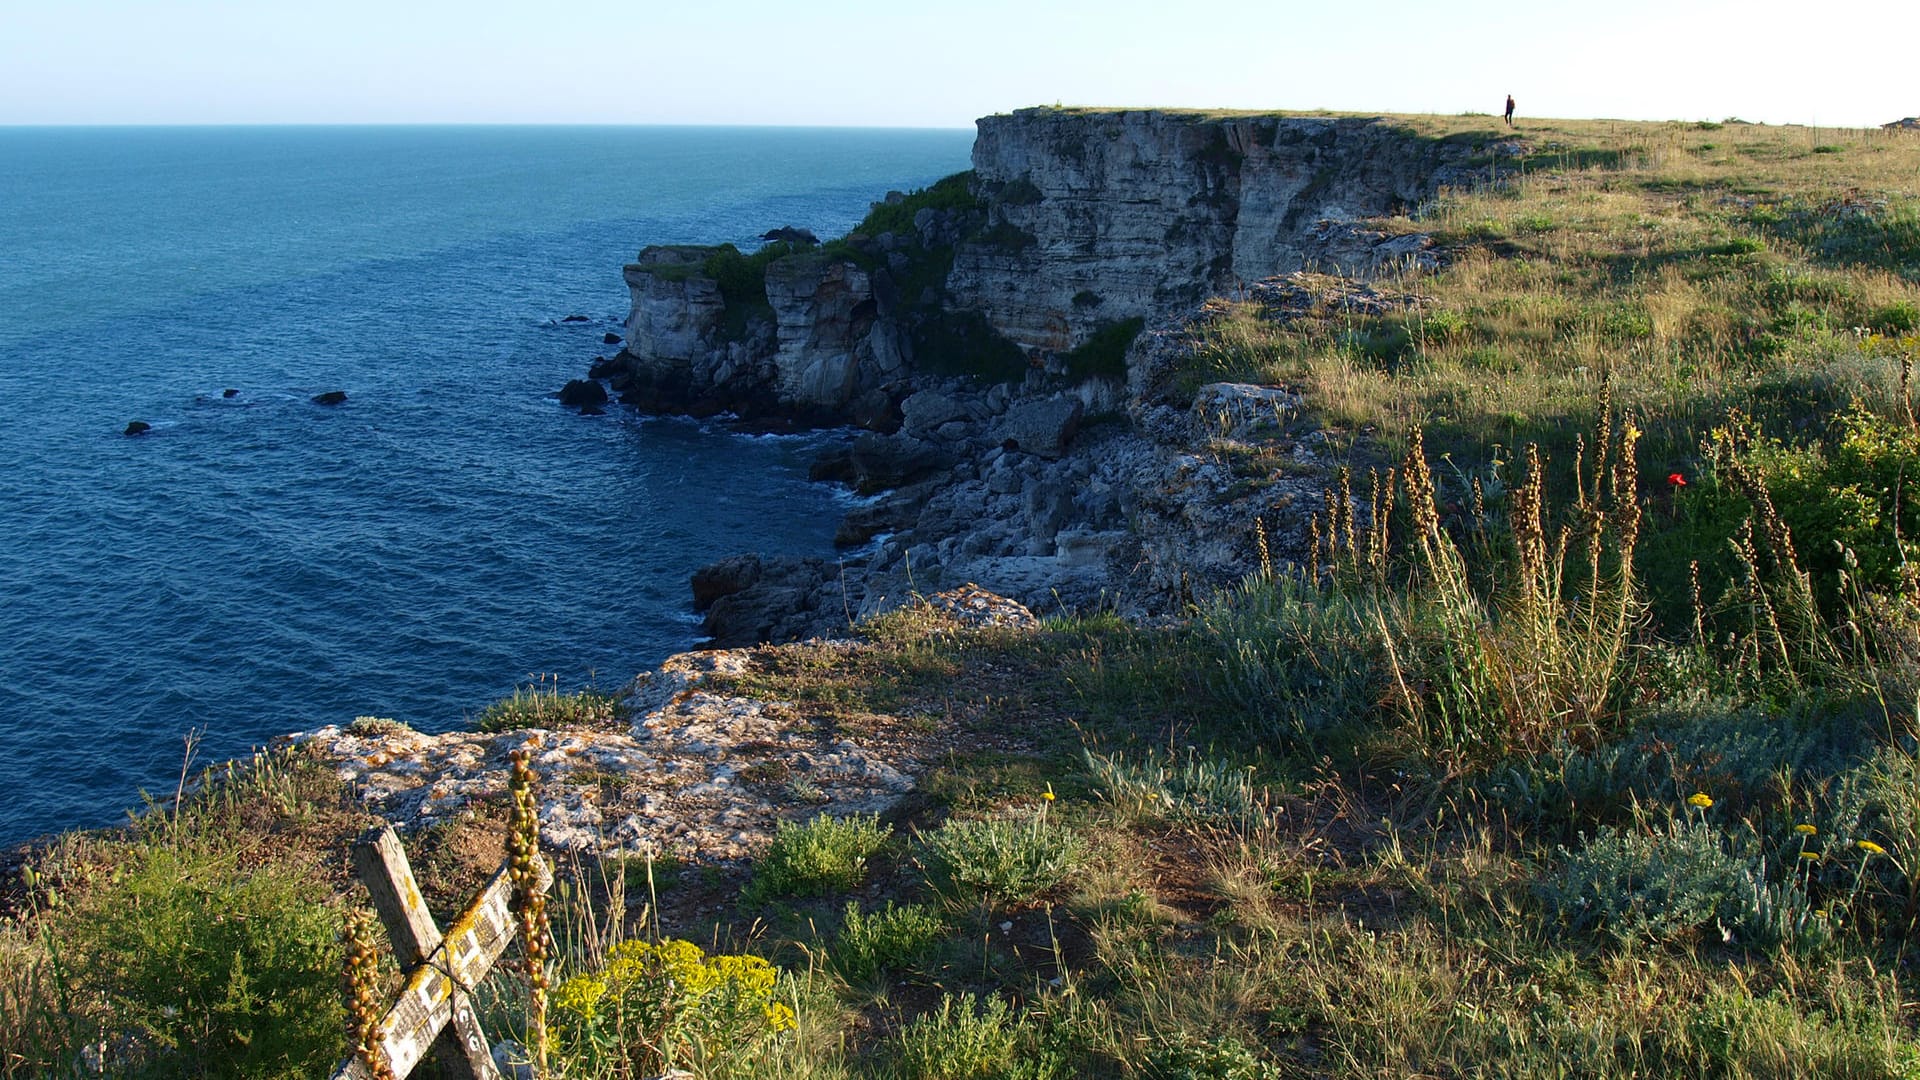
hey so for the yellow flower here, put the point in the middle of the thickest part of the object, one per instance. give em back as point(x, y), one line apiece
point(579, 995)
point(1701, 800)
point(780, 1017)
point(1805, 830)
point(1047, 795)
point(1809, 854)
point(1820, 913)
point(1869, 847)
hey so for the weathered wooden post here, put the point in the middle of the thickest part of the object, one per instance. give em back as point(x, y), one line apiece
point(435, 1007)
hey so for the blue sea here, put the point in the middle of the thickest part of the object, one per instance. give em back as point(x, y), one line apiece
point(259, 564)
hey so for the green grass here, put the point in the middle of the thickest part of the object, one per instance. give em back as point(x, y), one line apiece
point(1000, 860)
point(544, 705)
point(827, 854)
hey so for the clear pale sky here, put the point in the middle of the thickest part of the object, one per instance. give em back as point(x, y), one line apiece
point(901, 63)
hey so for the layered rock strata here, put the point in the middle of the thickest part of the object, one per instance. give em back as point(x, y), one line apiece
point(1107, 215)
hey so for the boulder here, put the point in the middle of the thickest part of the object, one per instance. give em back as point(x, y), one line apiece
point(138, 427)
point(331, 397)
point(791, 235)
point(889, 461)
point(1043, 427)
point(610, 338)
point(834, 466)
point(1049, 506)
point(229, 392)
point(924, 412)
point(1239, 410)
point(750, 599)
point(576, 318)
point(972, 605)
point(724, 578)
point(587, 395)
point(605, 367)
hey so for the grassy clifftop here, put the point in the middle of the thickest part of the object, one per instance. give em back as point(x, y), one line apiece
point(1584, 743)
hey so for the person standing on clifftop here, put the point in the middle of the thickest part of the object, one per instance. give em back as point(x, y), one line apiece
point(1509, 110)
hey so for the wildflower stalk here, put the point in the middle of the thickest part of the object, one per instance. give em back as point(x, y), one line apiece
point(360, 987)
point(529, 902)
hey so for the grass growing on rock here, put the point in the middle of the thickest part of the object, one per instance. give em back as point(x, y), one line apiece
point(542, 704)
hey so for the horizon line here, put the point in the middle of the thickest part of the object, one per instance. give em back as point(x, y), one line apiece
point(4, 124)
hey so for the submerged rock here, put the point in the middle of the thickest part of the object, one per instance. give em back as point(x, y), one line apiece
point(587, 395)
point(331, 397)
point(789, 234)
point(138, 427)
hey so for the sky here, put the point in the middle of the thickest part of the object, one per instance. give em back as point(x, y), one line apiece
point(907, 64)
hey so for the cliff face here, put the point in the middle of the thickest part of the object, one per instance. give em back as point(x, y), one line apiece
point(1096, 217)
point(1079, 220)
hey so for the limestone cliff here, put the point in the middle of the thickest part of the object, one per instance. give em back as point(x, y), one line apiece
point(1072, 221)
point(1100, 216)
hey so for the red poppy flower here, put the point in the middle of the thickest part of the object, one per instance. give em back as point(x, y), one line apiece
point(1676, 480)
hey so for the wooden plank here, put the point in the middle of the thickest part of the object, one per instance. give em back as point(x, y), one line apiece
point(470, 948)
point(380, 860)
point(381, 864)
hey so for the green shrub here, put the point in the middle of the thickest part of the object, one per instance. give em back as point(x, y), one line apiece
point(1020, 192)
point(950, 193)
point(1740, 752)
point(543, 705)
point(1105, 353)
point(890, 938)
point(1216, 1057)
point(1000, 859)
point(825, 855)
point(1446, 324)
point(377, 726)
point(1199, 789)
point(204, 968)
point(1876, 806)
point(1899, 317)
point(1860, 496)
point(970, 1040)
point(1007, 238)
point(1677, 883)
point(964, 343)
point(1296, 663)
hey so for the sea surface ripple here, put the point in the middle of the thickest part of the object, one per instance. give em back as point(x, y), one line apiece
point(257, 564)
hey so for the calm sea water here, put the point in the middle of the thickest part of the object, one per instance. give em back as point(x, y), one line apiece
point(260, 564)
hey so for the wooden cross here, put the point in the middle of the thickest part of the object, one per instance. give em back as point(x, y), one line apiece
point(435, 1009)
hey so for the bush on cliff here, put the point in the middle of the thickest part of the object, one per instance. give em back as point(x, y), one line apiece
point(200, 966)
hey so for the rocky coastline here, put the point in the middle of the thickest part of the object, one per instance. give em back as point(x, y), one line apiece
point(1014, 348)
point(1001, 341)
